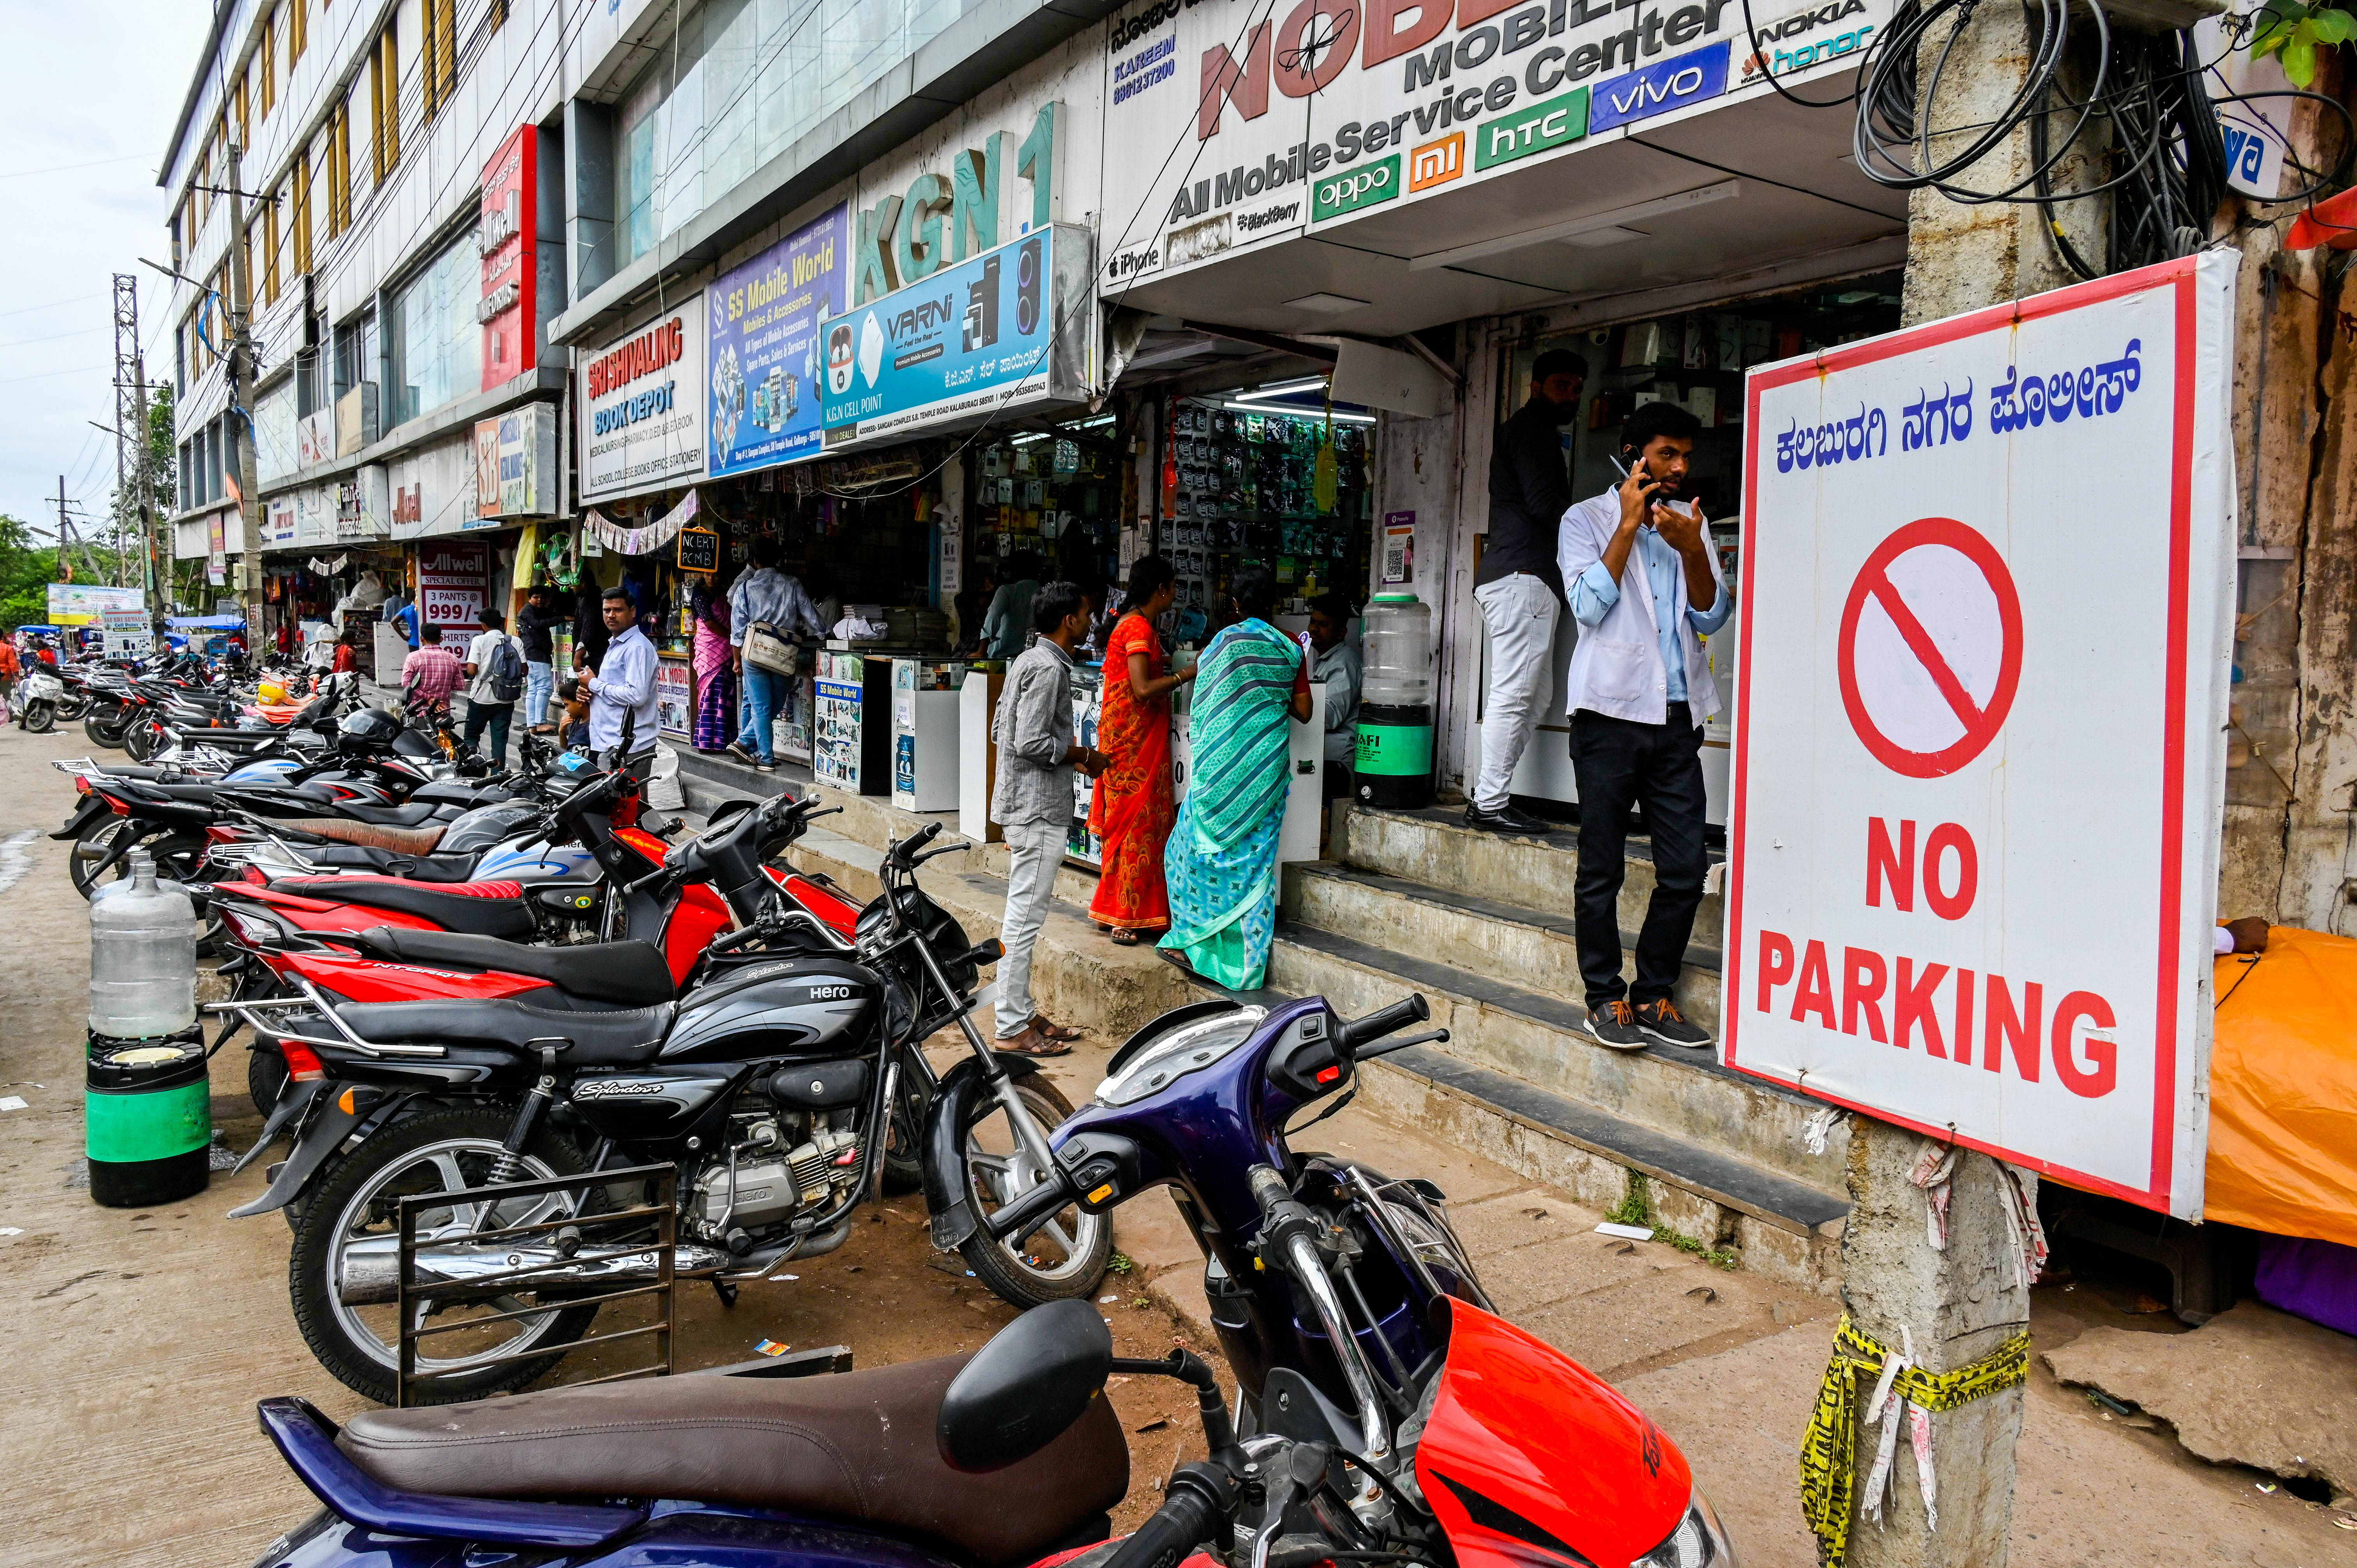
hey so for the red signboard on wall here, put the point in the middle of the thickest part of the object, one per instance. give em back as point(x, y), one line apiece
point(508, 309)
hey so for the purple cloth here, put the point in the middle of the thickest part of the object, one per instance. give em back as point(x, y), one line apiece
point(2315, 1280)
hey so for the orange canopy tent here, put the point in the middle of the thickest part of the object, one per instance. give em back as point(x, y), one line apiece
point(2283, 1088)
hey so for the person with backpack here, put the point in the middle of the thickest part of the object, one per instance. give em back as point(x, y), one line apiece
point(495, 679)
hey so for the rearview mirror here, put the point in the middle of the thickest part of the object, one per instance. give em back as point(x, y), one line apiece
point(1025, 1388)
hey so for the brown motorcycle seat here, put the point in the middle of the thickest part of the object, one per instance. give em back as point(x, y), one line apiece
point(857, 1446)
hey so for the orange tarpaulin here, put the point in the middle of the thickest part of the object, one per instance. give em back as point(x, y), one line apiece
point(2283, 1088)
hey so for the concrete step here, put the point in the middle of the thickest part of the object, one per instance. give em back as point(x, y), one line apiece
point(1542, 1041)
point(1540, 871)
point(1484, 935)
point(1777, 1224)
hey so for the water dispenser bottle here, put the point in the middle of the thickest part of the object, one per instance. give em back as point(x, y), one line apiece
point(1392, 765)
point(142, 957)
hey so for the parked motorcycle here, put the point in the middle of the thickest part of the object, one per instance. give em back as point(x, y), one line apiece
point(770, 1075)
point(1386, 1414)
point(38, 694)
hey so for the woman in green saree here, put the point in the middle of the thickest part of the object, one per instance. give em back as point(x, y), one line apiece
point(1221, 860)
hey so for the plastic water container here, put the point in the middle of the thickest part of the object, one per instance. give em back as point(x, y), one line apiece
point(142, 957)
point(1392, 764)
point(1396, 650)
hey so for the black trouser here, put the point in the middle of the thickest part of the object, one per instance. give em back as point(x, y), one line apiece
point(1619, 763)
point(497, 716)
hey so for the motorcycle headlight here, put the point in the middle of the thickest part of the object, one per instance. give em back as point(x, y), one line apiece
point(1179, 1052)
point(1699, 1541)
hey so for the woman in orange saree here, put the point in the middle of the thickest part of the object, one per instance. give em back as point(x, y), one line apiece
point(1131, 811)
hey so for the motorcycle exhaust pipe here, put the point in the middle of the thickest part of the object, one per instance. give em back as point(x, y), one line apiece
point(368, 1273)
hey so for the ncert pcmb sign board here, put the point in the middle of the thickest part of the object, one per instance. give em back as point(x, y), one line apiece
point(1973, 847)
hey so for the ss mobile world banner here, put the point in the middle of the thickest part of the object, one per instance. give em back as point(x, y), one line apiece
point(1300, 114)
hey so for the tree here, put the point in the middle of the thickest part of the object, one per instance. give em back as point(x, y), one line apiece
point(27, 570)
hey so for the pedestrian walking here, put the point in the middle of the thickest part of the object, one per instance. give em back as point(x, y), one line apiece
point(1644, 583)
point(765, 597)
point(1221, 860)
point(536, 628)
point(1033, 801)
point(495, 679)
point(1519, 585)
point(429, 675)
point(1131, 810)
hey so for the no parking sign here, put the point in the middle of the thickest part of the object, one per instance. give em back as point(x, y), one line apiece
point(1979, 754)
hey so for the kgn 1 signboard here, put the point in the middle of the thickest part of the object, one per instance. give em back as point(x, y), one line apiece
point(1980, 759)
point(1012, 326)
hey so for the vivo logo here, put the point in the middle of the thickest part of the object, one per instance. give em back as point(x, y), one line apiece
point(1660, 88)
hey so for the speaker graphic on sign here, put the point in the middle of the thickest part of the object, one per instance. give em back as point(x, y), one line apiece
point(1979, 757)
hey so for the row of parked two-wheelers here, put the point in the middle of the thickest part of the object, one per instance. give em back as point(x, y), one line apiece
point(449, 991)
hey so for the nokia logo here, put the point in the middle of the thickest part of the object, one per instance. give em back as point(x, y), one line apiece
point(616, 1087)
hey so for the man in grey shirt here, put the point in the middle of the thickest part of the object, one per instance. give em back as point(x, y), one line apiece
point(1033, 801)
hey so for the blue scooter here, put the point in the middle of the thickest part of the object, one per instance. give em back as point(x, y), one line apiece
point(1385, 1415)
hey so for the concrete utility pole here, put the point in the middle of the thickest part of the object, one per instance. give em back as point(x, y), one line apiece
point(1959, 1305)
point(239, 423)
point(65, 533)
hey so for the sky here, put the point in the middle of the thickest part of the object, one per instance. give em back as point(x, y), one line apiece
point(89, 107)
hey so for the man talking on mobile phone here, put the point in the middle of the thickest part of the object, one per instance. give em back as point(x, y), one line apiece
point(1641, 575)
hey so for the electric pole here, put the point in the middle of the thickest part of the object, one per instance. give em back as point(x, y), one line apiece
point(65, 532)
point(130, 436)
point(239, 425)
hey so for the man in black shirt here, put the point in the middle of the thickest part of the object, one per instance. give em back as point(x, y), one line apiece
point(1519, 587)
point(532, 627)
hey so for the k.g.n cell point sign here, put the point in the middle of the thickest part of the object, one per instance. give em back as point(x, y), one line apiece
point(1973, 848)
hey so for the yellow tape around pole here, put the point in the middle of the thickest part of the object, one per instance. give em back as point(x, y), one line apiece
point(1829, 1452)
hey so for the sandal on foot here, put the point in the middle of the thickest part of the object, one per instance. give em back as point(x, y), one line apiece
point(1031, 1043)
point(1123, 937)
point(1062, 1034)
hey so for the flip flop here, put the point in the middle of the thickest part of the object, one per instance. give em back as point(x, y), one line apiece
point(1031, 1043)
point(1062, 1034)
point(1123, 937)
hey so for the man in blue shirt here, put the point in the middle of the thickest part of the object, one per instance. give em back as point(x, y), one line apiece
point(1640, 574)
point(622, 693)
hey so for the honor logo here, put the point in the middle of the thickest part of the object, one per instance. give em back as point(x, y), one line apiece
point(1437, 162)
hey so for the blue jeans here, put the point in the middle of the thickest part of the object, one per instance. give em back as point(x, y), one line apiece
point(540, 683)
point(762, 692)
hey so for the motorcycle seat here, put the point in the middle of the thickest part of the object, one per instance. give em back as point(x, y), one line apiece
point(474, 909)
point(628, 975)
point(856, 1446)
point(611, 1037)
point(430, 868)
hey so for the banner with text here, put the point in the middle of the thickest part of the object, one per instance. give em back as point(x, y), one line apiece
point(767, 318)
point(642, 403)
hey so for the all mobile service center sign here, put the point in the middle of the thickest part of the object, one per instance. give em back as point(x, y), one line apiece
point(1979, 764)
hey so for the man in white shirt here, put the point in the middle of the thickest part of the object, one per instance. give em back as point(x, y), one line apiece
point(1337, 664)
point(622, 691)
point(486, 707)
point(1642, 577)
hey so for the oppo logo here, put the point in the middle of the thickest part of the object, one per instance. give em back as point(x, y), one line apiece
point(616, 1087)
point(1353, 187)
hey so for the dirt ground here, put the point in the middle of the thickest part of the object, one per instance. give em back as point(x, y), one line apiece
point(135, 1343)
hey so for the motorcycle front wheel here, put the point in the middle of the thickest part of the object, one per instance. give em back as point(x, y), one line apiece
point(40, 717)
point(1065, 1256)
point(357, 1202)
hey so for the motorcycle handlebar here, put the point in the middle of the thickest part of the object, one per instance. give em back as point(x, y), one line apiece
point(1187, 1517)
point(1016, 1220)
point(1357, 1031)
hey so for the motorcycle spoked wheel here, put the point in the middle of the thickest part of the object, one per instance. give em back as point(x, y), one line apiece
point(904, 1142)
point(178, 856)
point(107, 733)
point(447, 1149)
point(1064, 1258)
point(40, 717)
point(142, 740)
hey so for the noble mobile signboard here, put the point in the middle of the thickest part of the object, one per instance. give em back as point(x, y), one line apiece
point(1973, 847)
point(1293, 117)
point(1008, 328)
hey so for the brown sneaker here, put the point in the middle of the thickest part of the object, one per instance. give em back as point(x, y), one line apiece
point(1615, 1024)
point(1661, 1021)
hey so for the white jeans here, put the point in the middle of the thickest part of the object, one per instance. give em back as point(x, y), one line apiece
point(1520, 612)
point(1035, 850)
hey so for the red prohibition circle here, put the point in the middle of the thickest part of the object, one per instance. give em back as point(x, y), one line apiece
point(1981, 722)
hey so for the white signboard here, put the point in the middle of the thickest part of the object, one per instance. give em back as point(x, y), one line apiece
point(1972, 851)
point(1292, 118)
point(642, 403)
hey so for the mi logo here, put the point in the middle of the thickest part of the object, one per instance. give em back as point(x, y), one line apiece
point(1437, 162)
